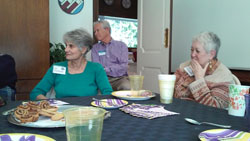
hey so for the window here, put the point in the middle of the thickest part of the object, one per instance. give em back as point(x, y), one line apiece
point(123, 29)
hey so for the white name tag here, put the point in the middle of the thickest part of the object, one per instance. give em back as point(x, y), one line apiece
point(189, 71)
point(101, 53)
point(59, 70)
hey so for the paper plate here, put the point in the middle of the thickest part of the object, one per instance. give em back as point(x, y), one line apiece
point(132, 95)
point(24, 137)
point(223, 134)
point(109, 103)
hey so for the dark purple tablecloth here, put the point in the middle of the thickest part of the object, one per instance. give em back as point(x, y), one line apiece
point(121, 126)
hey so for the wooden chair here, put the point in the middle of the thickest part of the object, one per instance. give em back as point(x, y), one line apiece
point(236, 80)
point(51, 94)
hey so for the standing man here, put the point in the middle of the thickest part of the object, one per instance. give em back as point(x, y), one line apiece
point(112, 54)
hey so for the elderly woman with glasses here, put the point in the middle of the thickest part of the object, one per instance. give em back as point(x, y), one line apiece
point(76, 76)
point(204, 78)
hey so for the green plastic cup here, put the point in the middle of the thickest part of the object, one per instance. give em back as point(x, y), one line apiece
point(84, 123)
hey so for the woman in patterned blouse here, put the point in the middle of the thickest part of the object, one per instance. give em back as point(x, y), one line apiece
point(204, 79)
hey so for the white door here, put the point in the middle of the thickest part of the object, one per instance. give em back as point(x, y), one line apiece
point(153, 56)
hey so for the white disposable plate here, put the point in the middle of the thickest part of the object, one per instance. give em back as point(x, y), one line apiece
point(223, 134)
point(24, 136)
point(132, 95)
point(109, 103)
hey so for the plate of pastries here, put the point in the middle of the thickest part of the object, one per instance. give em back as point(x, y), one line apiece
point(39, 114)
point(134, 95)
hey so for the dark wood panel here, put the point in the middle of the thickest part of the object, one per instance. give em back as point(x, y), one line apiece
point(26, 85)
point(243, 76)
point(24, 88)
point(24, 35)
point(22, 96)
point(95, 10)
point(117, 10)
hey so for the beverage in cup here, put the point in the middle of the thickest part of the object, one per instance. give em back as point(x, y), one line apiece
point(84, 123)
point(136, 83)
point(166, 85)
point(237, 104)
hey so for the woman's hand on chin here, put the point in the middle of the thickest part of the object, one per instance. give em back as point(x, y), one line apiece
point(197, 69)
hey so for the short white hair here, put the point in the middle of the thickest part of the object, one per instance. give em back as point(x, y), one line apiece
point(80, 37)
point(209, 41)
point(104, 23)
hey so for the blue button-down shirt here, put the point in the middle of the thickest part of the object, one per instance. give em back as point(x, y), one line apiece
point(113, 57)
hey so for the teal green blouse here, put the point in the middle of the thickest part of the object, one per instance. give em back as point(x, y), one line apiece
point(86, 83)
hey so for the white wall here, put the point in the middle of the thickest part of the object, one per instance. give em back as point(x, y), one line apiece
point(61, 22)
point(229, 19)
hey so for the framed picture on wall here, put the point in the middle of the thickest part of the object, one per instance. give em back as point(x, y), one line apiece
point(126, 4)
point(109, 2)
point(71, 6)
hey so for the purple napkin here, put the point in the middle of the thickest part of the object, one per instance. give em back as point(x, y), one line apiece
point(147, 111)
point(8, 138)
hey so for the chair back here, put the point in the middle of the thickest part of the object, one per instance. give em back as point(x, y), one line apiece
point(51, 94)
point(236, 80)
